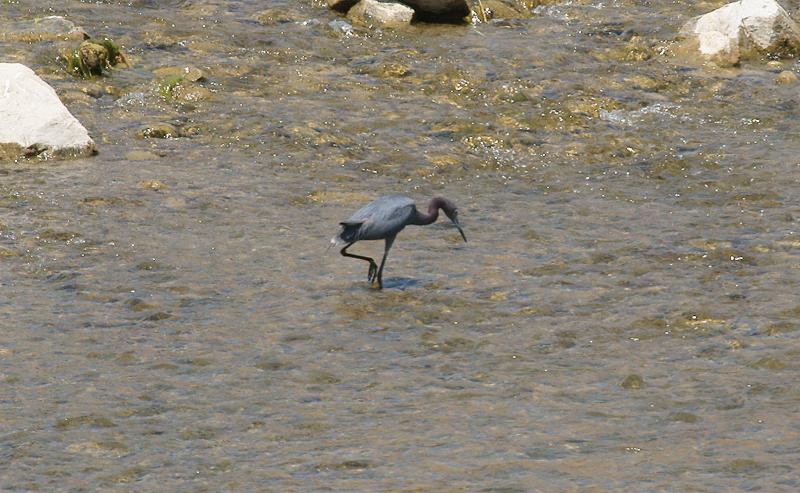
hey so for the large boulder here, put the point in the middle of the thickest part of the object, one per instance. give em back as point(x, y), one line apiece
point(35, 122)
point(376, 13)
point(441, 8)
point(741, 29)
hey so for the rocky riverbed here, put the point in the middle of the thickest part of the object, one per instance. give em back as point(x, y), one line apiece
point(624, 317)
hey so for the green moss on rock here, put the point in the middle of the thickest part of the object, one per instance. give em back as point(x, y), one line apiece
point(94, 58)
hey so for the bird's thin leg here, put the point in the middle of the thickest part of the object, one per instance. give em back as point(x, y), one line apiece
point(386, 248)
point(373, 267)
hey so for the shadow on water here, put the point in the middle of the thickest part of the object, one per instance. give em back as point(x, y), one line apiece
point(393, 283)
point(401, 283)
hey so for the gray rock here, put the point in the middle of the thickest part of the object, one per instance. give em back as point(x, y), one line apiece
point(740, 28)
point(382, 14)
point(41, 123)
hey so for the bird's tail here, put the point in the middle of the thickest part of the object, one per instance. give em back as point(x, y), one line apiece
point(336, 241)
point(348, 234)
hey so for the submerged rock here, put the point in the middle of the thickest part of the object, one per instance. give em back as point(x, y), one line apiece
point(51, 28)
point(768, 363)
point(42, 125)
point(486, 10)
point(741, 28)
point(382, 14)
point(183, 85)
point(185, 72)
point(786, 78)
point(633, 382)
point(342, 28)
point(158, 131)
point(274, 16)
point(141, 156)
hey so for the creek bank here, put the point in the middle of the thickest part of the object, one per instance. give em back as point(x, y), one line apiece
point(379, 13)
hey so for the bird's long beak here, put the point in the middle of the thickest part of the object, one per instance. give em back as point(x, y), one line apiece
point(460, 231)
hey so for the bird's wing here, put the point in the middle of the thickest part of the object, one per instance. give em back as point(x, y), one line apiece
point(380, 206)
point(386, 222)
point(380, 218)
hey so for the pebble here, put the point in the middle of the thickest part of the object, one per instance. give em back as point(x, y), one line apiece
point(786, 78)
point(158, 131)
point(633, 382)
point(154, 185)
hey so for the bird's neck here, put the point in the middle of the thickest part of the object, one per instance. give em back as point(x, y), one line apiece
point(423, 218)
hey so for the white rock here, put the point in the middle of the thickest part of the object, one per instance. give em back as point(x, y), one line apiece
point(730, 32)
point(34, 118)
point(377, 13)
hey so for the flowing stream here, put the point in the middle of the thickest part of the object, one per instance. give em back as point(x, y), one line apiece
point(625, 316)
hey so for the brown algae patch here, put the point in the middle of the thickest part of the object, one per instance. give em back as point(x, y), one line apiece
point(91, 421)
point(103, 449)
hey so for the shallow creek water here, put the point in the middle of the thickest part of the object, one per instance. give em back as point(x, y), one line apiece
point(623, 318)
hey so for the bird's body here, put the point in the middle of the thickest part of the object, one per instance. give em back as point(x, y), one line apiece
point(379, 219)
point(383, 219)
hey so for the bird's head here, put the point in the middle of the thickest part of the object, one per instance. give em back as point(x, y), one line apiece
point(451, 211)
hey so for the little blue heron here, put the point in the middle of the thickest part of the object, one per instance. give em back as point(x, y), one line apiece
point(382, 219)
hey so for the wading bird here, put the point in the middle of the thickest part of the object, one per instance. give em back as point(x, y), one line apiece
point(382, 219)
